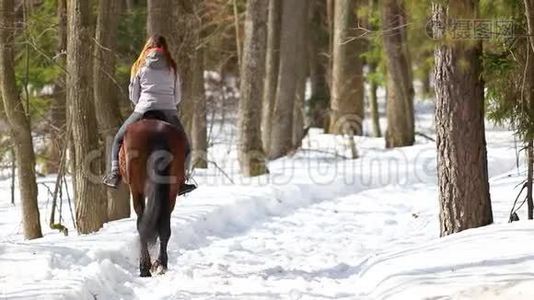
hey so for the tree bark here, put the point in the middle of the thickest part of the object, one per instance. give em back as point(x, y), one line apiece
point(293, 14)
point(106, 97)
point(185, 41)
point(199, 127)
point(299, 116)
point(129, 4)
point(58, 109)
point(160, 17)
point(318, 49)
point(346, 107)
point(91, 208)
point(530, 162)
point(373, 103)
point(19, 124)
point(272, 64)
point(529, 85)
point(251, 155)
point(529, 13)
point(400, 115)
point(462, 160)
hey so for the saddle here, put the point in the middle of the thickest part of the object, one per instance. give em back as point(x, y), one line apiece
point(154, 115)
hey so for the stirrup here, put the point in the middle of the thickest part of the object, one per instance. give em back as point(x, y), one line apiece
point(186, 188)
point(112, 179)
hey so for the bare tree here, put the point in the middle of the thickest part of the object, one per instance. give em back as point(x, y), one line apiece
point(91, 208)
point(187, 34)
point(106, 92)
point(19, 123)
point(373, 85)
point(160, 17)
point(184, 41)
point(318, 49)
point(299, 115)
point(58, 109)
point(272, 64)
point(199, 130)
point(462, 160)
point(529, 14)
point(129, 4)
point(347, 89)
point(400, 115)
point(251, 155)
point(293, 14)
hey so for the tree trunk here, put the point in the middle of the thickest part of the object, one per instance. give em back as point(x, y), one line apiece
point(426, 88)
point(19, 124)
point(91, 212)
point(272, 64)
point(299, 121)
point(251, 155)
point(529, 13)
point(293, 14)
point(185, 40)
point(462, 160)
point(373, 103)
point(58, 109)
point(346, 107)
point(330, 7)
point(400, 115)
point(318, 49)
point(106, 97)
point(199, 127)
point(530, 162)
point(160, 17)
point(129, 4)
point(299, 117)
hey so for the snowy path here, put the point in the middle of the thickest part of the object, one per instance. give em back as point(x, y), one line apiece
point(306, 254)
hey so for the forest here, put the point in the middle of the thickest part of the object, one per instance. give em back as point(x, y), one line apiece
point(339, 149)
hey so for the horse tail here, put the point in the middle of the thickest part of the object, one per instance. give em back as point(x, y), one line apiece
point(157, 188)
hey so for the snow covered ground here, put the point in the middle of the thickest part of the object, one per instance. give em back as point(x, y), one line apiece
point(317, 227)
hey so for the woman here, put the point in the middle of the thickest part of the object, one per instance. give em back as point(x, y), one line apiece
point(154, 86)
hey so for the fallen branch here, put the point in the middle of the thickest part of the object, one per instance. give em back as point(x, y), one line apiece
point(323, 152)
point(425, 136)
point(220, 169)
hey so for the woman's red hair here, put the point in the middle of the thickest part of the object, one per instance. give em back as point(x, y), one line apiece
point(159, 43)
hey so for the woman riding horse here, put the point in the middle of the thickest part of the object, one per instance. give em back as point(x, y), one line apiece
point(154, 88)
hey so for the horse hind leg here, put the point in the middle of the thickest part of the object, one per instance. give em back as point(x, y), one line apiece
point(144, 259)
point(144, 255)
point(164, 230)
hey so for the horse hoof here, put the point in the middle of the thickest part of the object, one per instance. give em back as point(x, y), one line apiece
point(158, 268)
point(145, 274)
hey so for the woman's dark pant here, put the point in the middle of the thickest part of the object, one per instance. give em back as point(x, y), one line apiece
point(170, 116)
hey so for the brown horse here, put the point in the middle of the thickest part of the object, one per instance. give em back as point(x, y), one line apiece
point(152, 161)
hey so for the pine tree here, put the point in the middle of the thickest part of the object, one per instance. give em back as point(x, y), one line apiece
point(462, 160)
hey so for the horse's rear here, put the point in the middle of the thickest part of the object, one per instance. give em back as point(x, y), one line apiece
point(152, 163)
